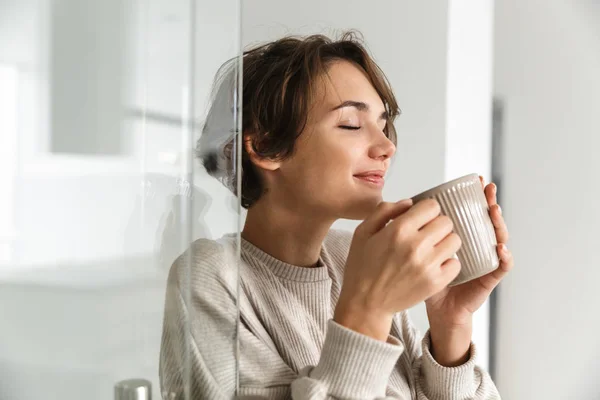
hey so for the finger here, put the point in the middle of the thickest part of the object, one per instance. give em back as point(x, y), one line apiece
point(490, 194)
point(447, 248)
point(418, 215)
point(450, 269)
point(506, 258)
point(384, 212)
point(500, 227)
point(436, 230)
point(491, 280)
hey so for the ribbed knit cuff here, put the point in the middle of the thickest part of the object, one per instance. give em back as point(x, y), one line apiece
point(355, 366)
point(447, 382)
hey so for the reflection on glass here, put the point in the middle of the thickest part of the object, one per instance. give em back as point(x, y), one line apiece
point(103, 103)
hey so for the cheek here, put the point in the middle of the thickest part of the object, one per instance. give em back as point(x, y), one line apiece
point(339, 152)
point(333, 167)
point(326, 160)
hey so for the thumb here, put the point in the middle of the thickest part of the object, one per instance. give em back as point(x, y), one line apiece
point(384, 212)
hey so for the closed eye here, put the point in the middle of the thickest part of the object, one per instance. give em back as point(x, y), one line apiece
point(349, 127)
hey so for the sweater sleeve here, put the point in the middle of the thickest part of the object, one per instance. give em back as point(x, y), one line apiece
point(352, 366)
point(436, 382)
point(198, 349)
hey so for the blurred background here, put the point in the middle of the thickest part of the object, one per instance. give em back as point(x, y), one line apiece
point(101, 104)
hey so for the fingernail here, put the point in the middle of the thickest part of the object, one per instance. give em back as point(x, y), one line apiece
point(499, 209)
point(495, 187)
point(503, 248)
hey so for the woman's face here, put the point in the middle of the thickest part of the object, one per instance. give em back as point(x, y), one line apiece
point(342, 155)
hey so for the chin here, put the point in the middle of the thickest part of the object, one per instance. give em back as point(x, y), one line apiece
point(361, 208)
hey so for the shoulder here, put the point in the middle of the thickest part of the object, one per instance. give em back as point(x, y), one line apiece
point(206, 262)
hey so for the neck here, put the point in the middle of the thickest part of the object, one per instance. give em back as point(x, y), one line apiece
point(289, 236)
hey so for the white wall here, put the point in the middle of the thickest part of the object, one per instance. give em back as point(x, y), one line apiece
point(547, 72)
point(468, 111)
point(8, 148)
point(469, 88)
point(437, 56)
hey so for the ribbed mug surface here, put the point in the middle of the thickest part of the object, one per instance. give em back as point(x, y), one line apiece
point(463, 200)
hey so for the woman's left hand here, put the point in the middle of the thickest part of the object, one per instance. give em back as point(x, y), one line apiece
point(454, 306)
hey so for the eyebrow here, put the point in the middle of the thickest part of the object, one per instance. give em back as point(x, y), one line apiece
point(360, 106)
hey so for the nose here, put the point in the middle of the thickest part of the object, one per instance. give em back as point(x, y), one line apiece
point(382, 147)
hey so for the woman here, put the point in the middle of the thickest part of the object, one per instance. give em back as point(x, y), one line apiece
point(322, 311)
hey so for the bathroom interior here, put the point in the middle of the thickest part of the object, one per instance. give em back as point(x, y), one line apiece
point(101, 107)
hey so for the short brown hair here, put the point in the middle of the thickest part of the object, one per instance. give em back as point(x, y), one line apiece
point(278, 89)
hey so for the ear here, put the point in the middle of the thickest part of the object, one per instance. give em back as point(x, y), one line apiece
point(261, 162)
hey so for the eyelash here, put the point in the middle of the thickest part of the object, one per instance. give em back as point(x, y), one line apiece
point(350, 128)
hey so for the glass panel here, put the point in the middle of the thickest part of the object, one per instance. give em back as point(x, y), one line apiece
point(103, 106)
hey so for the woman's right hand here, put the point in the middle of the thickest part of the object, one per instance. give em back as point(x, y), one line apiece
point(400, 255)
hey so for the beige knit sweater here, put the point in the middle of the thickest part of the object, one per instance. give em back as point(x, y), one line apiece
point(288, 346)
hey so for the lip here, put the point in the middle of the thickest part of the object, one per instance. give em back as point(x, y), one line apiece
point(373, 178)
